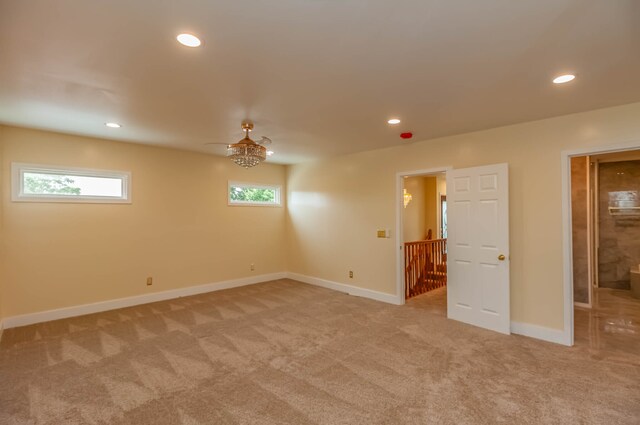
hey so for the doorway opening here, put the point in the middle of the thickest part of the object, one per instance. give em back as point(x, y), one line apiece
point(473, 261)
point(423, 222)
point(605, 248)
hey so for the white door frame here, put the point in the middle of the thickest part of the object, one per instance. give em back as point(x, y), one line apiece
point(399, 229)
point(567, 248)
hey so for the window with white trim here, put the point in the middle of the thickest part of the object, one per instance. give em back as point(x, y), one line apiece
point(45, 183)
point(254, 194)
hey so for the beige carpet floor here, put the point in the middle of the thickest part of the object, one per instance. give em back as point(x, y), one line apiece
point(288, 353)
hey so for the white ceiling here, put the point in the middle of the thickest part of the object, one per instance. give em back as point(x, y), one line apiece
point(319, 77)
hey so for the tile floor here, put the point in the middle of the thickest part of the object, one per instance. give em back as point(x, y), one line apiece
point(611, 328)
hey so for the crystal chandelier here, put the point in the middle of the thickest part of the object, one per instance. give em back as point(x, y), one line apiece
point(246, 153)
point(407, 197)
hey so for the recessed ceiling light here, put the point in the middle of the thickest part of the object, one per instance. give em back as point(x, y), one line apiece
point(112, 125)
point(563, 79)
point(188, 40)
point(394, 121)
point(270, 153)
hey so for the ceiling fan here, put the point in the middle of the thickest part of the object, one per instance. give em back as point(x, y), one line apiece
point(246, 152)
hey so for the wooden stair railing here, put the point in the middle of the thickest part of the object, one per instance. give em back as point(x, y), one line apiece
point(425, 265)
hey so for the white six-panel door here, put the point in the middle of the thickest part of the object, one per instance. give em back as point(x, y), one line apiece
point(478, 246)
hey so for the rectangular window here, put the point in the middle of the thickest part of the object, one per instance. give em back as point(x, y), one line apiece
point(44, 183)
point(253, 194)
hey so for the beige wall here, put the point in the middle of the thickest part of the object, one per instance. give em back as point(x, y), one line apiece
point(179, 229)
point(421, 213)
point(337, 204)
point(413, 215)
point(441, 182)
point(2, 178)
point(442, 185)
point(430, 206)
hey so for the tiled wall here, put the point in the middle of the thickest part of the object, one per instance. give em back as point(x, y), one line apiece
point(579, 221)
point(619, 236)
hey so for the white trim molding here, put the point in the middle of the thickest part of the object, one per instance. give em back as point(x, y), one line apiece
point(80, 310)
point(342, 287)
point(540, 332)
point(525, 329)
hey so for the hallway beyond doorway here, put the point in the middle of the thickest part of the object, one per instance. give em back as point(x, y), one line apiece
point(434, 301)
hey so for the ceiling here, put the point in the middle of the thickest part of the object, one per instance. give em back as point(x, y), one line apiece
point(319, 77)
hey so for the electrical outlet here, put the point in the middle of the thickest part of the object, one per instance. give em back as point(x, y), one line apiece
point(149, 281)
point(253, 267)
point(350, 274)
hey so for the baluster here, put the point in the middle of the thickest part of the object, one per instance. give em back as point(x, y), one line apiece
point(425, 266)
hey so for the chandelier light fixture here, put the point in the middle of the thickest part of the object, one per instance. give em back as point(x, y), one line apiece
point(407, 197)
point(247, 153)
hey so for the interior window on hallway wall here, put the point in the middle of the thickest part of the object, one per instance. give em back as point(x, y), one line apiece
point(254, 194)
point(50, 183)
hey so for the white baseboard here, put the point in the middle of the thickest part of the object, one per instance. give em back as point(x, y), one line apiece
point(80, 310)
point(341, 287)
point(525, 329)
point(540, 332)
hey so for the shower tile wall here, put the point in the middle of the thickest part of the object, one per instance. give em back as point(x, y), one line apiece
point(579, 222)
point(619, 236)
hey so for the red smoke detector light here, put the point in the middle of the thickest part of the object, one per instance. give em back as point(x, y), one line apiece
point(406, 135)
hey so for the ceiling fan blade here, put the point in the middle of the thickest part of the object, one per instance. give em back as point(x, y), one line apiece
point(265, 141)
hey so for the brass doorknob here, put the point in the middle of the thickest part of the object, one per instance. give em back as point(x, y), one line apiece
point(501, 257)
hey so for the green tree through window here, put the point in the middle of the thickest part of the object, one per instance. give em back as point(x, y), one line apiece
point(49, 184)
point(252, 194)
